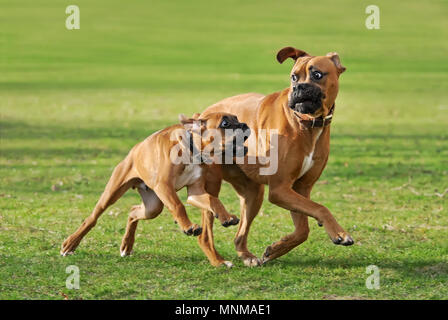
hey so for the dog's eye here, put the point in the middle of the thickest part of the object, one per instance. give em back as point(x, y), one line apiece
point(294, 78)
point(224, 123)
point(317, 75)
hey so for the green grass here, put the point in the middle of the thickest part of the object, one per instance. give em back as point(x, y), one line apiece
point(72, 103)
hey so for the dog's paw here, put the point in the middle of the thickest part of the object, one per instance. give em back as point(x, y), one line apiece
point(125, 253)
point(266, 255)
point(66, 253)
point(231, 222)
point(343, 239)
point(250, 260)
point(227, 264)
point(69, 246)
point(126, 247)
point(194, 230)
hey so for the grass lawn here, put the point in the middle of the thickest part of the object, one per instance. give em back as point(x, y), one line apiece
point(72, 103)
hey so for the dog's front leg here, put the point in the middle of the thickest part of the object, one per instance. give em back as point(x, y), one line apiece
point(167, 194)
point(198, 197)
point(206, 241)
point(284, 196)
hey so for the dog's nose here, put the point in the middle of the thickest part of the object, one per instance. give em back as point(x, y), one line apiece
point(244, 126)
point(302, 86)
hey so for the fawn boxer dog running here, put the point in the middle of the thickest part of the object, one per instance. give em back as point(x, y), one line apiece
point(299, 117)
point(154, 168)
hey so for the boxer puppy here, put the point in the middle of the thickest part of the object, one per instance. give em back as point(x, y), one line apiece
point(165, 162)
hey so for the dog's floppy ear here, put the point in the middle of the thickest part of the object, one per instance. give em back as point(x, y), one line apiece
point(191, 124)
point(337, 62)
point(183, 119)
point(290, 52)
point(196, 116)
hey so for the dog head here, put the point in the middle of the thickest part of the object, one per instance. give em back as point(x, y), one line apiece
point(217, 133)
point(314, 81)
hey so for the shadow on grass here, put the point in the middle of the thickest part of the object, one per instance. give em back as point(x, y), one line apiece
point(408, 266)
point(113, 141)
point(404, 265)
point(16, 129)
point(76, 140)
point(20, 130)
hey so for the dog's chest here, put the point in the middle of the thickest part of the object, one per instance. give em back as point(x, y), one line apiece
point(307, 164)
point(308, 161)
point(191, 173)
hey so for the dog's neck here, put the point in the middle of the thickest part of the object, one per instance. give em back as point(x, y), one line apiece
point(307, 134)
point(307, 121)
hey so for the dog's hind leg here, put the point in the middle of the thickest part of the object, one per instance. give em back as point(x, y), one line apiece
point(298, 236)
point(290, 241)
point(120, 181)
point(149, 209)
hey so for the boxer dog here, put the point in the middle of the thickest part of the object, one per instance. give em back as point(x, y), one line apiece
point(300, 117)
point(154, 168)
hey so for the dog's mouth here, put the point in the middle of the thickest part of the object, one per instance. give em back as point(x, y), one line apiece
point(307, 106)
point(306, 99)
point(239, 150)
point(237, 144)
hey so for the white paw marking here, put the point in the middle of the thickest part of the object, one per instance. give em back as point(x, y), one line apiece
point(251, 262)
point(228, 264)
point(124, 253)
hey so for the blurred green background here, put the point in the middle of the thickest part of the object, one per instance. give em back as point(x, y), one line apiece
point(72, 103)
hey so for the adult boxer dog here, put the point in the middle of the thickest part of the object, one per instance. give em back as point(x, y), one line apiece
point(156, 170)
point(301, 116)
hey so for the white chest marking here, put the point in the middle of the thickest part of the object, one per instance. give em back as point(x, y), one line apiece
point(191, 173)
point(308, 162)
